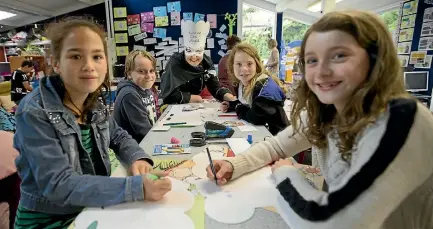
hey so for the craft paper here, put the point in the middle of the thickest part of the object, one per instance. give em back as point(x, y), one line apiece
point(426, 64)
point(133, 19)
point(173, 43)
point(221, 42)
point(159, 47)
point(160, 11)
point(408, 21)
point(238, 145)
point(405, 35)
point(223, 28)
point(188, 16)
point(164, 149)
point(174, 6)
point(134, 30)
point(427, 29)
point(122, 50)
point(198, 17)
point(152, 53)
point(210, 43)
point(410, 7)
point(164, 64)
point(221, 53)
point(404, 47)
point(167, 39)
point(428, 14)
point(181, 41)
point(147, 17)
point(161, 21)
point(147, 27)
point(163, 43)
point(425, 43)
point(207, 52)
point(212, 19)
point(225, 36)
point(149, 41)
point(219, 35)
point(225, 209)
point(195, 33)
point(139, 47)
point(119, 12)
point(120, 26)
point(160, 53)
point(121, 38)
point(181, 49)
point(159, 33)
point(175, 18)
point(247, 128)
point(140, 36)
point(224, 47)
point(417, 57)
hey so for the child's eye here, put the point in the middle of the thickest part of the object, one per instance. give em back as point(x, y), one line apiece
point(249, 64)
point(238, 64)
point(311, 61)
point(75, 57)
point(98, 57)
point(339, 56)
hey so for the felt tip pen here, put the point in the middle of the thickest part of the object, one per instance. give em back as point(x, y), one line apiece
point(174, 123)
point(212, 166)
point(152, 176)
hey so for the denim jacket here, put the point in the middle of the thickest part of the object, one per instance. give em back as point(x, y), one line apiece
point(55, 179)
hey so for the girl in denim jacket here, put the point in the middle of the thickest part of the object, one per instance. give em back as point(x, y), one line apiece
point(64, 132)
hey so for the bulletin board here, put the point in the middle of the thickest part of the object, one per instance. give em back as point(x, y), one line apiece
point(148, 25)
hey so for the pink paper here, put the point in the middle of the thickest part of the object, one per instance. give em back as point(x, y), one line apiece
point(212, 19)
point(147, 17)
point(133, 19)
point(147, 27)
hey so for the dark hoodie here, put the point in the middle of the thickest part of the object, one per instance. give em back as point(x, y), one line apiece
point(134, 109)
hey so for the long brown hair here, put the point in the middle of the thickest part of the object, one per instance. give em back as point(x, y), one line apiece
point(57, 32)
point(383, 83)
point(260, 69)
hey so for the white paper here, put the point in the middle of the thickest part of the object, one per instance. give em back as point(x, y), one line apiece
point(149, 41)
point(247, 128)
point(181, 41)
point(226, 209)
point(238, 145)
point(221, 53)
point(225, 36)
point(166, 39)
point(207, 52)
point(152, 53)
point(139, 47)
point(219, 35)
point(160, 53)
point(158, 47)
point(140, 36)
point(164, 64)
point(221, 42)
point(223, 28)
point(210, 43)
point(161, 128)
point(224, 47)
point(160, 58)
point(173, 43)
point(181, 49)
point(162, 43)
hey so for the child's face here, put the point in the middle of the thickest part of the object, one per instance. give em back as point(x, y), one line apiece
point(244, 67)
point(194, 56)
point(144, 74)
point(82, 64)
point(335, 65)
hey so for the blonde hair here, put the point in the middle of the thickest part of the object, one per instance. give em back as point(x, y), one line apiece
point(130, 60)
point(383, 83)
point(272, 43)
point(260, 69)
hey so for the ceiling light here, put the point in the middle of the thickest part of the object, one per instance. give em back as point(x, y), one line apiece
point(317, 6)
point(4, 15)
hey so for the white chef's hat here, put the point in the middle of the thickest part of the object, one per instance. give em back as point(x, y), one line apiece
point(195, 34)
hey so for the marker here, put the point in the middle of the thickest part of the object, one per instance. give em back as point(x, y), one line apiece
point(228, 115)
point(174, 123)
point(211, 166)
point(152, 176)
point(181, 126)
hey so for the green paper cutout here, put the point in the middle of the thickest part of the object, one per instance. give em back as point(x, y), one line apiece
point(93, 225)
point(232, 21)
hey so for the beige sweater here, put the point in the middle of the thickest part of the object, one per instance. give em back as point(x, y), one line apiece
point(387, 184)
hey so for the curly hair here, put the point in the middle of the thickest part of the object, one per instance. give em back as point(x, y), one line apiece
point(384, 82)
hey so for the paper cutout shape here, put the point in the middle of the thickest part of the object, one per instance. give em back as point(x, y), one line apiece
point(147, 27)
point(188, 16)
point(221, 42)
point(149, 41)
point(408, 21)
point(161, 21)
point(134, 30)
point(404, 47)
point(210, 43)
point(207, 52)
point(174, 6)
point(410, 7)
point(167, 39)
point(120, 26)
point(224, 47)
point(173, 43)
point(417, 57)
point(147, 17)
point(426, 64)
point(221, 53)
point(175, 18)
point(195, 33)
point(232, 21)
point(163, 43)
point(121, 38)
point(406, 35)
point(404, 60)
point(212, 19)
point(181, 43)
point(140, 36)
point(159, 32)
point(198, 17)
point(133, 19)
point(119, 12)
point(140, 47)
point(160, 11)
point(223, 28)
point(122, 50)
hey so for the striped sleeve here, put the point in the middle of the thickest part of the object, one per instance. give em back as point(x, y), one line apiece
point(381, 178)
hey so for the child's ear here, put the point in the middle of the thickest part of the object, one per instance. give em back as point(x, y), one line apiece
point(56, 65)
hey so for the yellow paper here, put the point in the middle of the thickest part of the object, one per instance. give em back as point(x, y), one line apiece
point(119, 12)
point(196, 213)
point(120, 26)
point(121, 38)
point(161, 21)
point(122, 50)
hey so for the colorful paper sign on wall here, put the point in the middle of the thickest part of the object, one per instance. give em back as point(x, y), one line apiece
point(404, 47)
point(173, 6)
point(198, 17)
point(188, 16)
point(133, 19)
point(121, 38)
point(212, 19)
point(405, 35)
point(147, 17)
point(147, 27)
point(122, 50)
point(175, 18)
point(134, 30)
point(410, 7)
point(417, 57)
point(426, 64)
point(120, 26)
point(119, 12)
point(408, 21)
point(160, 11)
point(160, 33)
point(427, 29)
point(161, 21)
point(140, 36)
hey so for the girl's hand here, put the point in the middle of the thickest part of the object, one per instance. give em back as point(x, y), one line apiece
point(224, 106)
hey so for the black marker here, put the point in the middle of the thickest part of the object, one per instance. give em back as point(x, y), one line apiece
point(211, 166)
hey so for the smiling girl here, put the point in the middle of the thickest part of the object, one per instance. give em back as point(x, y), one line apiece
point(64, 132)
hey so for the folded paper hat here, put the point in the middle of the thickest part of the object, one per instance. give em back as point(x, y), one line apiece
point(195, 34)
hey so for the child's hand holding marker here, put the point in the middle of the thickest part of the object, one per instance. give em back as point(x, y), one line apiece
point(223, 170)
point(156, 185)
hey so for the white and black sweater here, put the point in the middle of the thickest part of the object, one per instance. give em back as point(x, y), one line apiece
point(388, 184)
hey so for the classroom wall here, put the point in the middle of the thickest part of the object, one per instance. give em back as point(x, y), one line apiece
point(220, 7)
